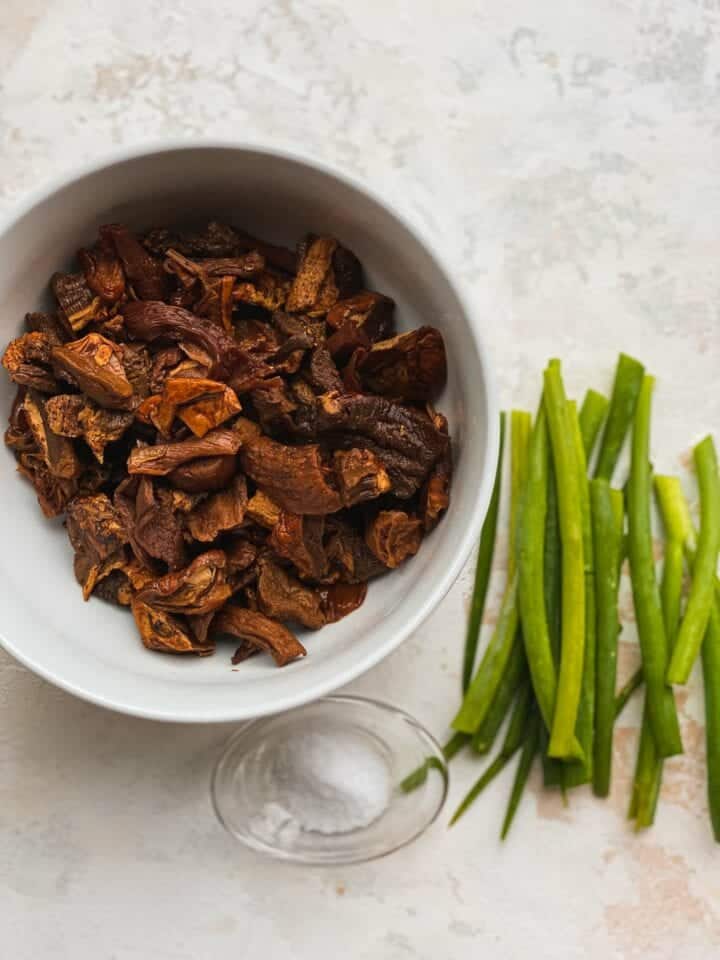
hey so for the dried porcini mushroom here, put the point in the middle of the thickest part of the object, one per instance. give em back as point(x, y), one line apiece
point(282, 596)
point(143, 271)
point(200, 404)
point(96, 365)
point(98, 538)
point(393, 536)
point(232, 429)
point(204, 474)
point(103, 271)
point(360, 475)
point(261, 509)
point(28, 360)
point(57, 451)
point(300, 540)
point(221, 511)
point(405, 439)
point(198, 589)
point(411, 366)
point(163, 458)
point(77, 303)
point(435, 494)
point(165, 633)
point(153, 529)
point(259, 630)
point(294, 477)
point(327, 272)
point(72, 415)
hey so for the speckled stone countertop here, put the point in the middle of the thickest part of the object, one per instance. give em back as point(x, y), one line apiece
point(566, 158)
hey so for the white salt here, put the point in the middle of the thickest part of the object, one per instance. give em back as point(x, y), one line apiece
point(327, 783)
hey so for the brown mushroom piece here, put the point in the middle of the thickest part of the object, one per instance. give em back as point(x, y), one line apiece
point(96, 365)
point(358, 322)
point(361, 476)
point(266, 290)
point(327, 272)
point(435, 494)
point(252, 627)
point(201, 405)
point(221, 511)
point(405, 439)
point(152, 320)
point(71, 415)
point(349, 557)
point(165, 633)
point(77, 303)
point(103, 271)
point(144, 271)
point(163, 458)
point(98, 538)
point(203, 475)
point(393, 536)
point(341, 599)
point(198, 589)
point(57, 451)
point(52, 325)
point(411, 366)
point(263, 510)
point(53, 493)
point(299, 539)
point(294, 477)
point(282, 596)
point(27, 359)
point(153, 530)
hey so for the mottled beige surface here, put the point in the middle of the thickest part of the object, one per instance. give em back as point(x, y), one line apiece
point(566, 157)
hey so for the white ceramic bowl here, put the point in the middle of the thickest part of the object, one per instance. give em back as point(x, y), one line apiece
point(92, 649)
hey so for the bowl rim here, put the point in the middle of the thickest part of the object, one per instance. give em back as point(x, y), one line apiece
point(471, 529)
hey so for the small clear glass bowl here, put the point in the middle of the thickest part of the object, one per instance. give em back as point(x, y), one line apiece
point(285, 783)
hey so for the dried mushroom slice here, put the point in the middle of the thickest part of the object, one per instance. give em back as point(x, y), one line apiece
point(358, 322)
point(96, 365)
point(77, 303)
point(63, 414)
point(53, 493)
point(163, 458)
point(300, 540)
point(53, 325)
point(163, 632)
point(405, 439)
point(267, 290)
point(154, 320)
point(198, 589)
point(153, 529)
point(261, 509)
point(222, 511)
point(98, 538)
point(71, 415)
point(393, 536)
point(201, 405)
point(283, 597)
point(435, 494)
point(361, 476)
point(327, 272)
point(27, 359)
point(103, 271)
point(250, 626)
point(203, 475)
point(57, 451)
point(145, 272)
point(294, 477)
point(349, 558)
point(411, 366)
point(342, 599)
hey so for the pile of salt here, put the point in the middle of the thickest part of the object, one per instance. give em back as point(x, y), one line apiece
point(328, 783)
